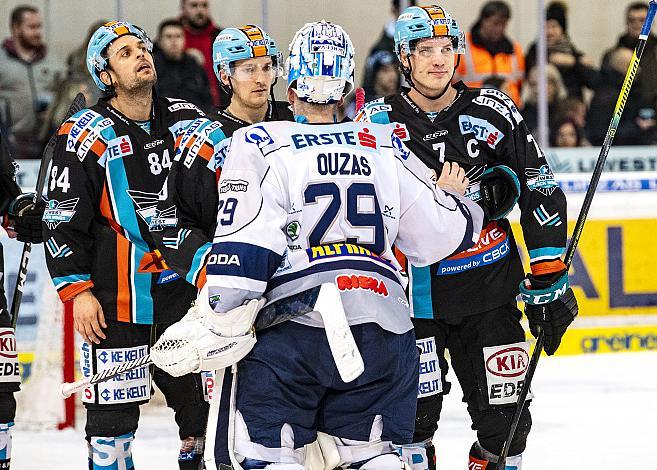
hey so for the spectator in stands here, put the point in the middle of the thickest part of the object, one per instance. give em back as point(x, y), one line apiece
point(200, 32)
point(566, 133)
point(386, 41)
point(28, 77)
point(576, 69)
point(574, 109)
point(556, 92)
point(383, 68)
point(490, 52)
point(635, 16)
point(637, 124)
point(179, 75)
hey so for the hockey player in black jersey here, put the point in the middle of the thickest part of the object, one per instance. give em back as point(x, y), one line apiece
point(467, 302)
point(26, 227)
point(109, 166)
point(247, 63)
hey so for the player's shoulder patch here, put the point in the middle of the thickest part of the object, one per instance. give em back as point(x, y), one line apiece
point(499, 102)
point(198, 139)
point(375, 111)
point(262, 135)
point(86, 131)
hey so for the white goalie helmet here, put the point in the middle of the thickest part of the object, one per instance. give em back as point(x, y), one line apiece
point(320, 65)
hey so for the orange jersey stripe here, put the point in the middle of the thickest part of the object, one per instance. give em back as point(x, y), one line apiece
point(202, 278)
point(123, 297)
point(65, 128)
point(98, 148)
point(70, 291)
point(548, 267)
point(205, 152)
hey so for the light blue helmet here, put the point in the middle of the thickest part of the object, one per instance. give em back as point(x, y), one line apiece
point(100, 41)
point(246, 42)
point(320, 66)
point(426, 22)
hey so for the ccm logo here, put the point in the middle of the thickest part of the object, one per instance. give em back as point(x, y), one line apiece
point(8, 345)
point(510, 362)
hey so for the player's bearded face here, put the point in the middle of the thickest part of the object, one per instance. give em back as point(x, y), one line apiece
point(132, 66)
point(432, 63)
point(251, 80)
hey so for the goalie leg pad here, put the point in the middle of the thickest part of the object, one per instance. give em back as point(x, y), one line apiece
point(111, 453)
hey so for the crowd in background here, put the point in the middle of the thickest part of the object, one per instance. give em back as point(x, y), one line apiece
point(37, 88)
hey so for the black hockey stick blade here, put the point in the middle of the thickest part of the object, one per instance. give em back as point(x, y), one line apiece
point(78, 104)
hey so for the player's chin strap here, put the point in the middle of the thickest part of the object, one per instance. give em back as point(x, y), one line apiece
point(408, 71)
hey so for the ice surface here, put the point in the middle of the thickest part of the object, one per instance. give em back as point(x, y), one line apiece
point(590, 412)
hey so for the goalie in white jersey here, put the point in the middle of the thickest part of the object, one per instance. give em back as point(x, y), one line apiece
point(308, 214)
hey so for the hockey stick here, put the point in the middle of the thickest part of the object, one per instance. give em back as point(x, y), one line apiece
point(271, 315)
point(583, 214)
point(78, 104)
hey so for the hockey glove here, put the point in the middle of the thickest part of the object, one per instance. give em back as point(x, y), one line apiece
point(204, 340)
point(550, 305)
point(499, 190)
point(27, 218)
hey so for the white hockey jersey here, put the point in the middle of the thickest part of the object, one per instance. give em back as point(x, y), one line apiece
point(302, 204)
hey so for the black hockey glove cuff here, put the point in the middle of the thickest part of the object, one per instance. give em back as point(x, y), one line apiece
point(500, 190)
point(551, 306)
point(27, 218)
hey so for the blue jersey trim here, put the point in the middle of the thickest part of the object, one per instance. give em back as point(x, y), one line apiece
point(421, 292)
point(70, 279)
point(197, 263)
point(242, 260)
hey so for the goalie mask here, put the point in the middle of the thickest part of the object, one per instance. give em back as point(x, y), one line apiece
point(320, 66)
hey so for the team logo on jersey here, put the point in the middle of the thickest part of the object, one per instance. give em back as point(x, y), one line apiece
point(366, 139)
point(506, 368)
point(401, 131)
point(81, 124)
point(292, 230)
point(147, 209)
point(233, 186)
point(541, 180)
point(59, 212)
point(56, 250)
point(258, 135)
point(543, 217)
point(435, 135)
point(119, 147)
point(481, 128)
point(404, 153)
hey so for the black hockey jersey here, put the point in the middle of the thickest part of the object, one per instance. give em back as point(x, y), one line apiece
point(191, 191)
point(106, 175)
point(481, 128)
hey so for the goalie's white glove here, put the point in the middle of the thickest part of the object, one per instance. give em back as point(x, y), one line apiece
point(206, 340)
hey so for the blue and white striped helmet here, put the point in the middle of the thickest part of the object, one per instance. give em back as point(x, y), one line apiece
point(246, 42)
point(320, 66)
point(426, 22)
point(100, 41)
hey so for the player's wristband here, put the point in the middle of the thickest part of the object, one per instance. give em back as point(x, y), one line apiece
point(547, 294)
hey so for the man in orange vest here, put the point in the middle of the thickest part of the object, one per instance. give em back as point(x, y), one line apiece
point(490, 53)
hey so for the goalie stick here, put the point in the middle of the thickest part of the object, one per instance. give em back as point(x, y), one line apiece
point(583, 213)
point(271, 315)
point(78, 104)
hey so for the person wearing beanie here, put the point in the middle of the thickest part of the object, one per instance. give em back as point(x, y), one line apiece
point(576, 69)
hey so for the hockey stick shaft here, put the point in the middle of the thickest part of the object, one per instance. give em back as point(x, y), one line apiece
point(78, 104)
point(583, 214)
